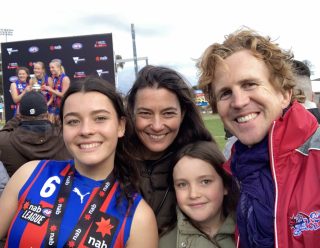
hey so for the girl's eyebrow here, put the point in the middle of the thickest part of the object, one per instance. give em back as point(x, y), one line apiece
point(198, 177)
point(93, 112)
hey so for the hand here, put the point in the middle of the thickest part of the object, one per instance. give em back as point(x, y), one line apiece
point(45, 87)
point(28, 88)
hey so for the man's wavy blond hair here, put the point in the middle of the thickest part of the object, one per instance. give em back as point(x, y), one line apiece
point(277, 60)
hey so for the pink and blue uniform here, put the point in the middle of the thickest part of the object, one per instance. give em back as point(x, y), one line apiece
point(46, 93)
point(57, 85)
point(20, 86)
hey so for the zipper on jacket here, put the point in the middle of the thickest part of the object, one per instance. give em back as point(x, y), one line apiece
point(273, 170)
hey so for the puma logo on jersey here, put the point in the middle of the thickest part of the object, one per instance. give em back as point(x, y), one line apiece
point(77, 191)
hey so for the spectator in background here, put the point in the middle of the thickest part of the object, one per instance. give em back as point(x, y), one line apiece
point(61, 83)
point(276, 159)
point(303, 83)
point(20, 87)
point(39, 83)
point(230, 140)
point(31, 135)
point(162, 108)
point(1, 111)
point(4, 177)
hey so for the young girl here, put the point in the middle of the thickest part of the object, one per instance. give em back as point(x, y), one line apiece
point(206, 198)
point(61, 83)
point(43, 81)
point(90, 201)
point(20, 87)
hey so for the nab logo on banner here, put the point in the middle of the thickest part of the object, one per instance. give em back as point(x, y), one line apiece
point(57, 47)
point(103, 58)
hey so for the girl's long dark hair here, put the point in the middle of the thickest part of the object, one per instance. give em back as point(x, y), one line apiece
point(210, 152)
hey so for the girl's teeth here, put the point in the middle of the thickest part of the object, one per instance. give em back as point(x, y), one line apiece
point(157, 137)
point(88, 146)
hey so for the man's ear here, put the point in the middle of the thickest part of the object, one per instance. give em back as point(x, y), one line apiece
point(287, 95)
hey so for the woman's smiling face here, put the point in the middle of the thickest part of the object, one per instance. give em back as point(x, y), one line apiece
point(158, 117)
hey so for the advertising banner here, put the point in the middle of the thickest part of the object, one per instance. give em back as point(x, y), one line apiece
point(81, 56)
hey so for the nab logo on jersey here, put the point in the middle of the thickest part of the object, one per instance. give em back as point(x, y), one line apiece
point(34, 213)
point(102, 231)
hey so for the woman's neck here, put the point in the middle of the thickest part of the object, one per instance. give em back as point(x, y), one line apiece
point(150, 155)
point(95, 172)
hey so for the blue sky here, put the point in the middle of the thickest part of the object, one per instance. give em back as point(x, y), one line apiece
point(168, 32)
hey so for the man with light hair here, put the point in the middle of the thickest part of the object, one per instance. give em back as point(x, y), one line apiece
point(303, 83)
point(249, 79)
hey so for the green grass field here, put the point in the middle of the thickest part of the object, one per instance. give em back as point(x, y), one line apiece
point(215, 126)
